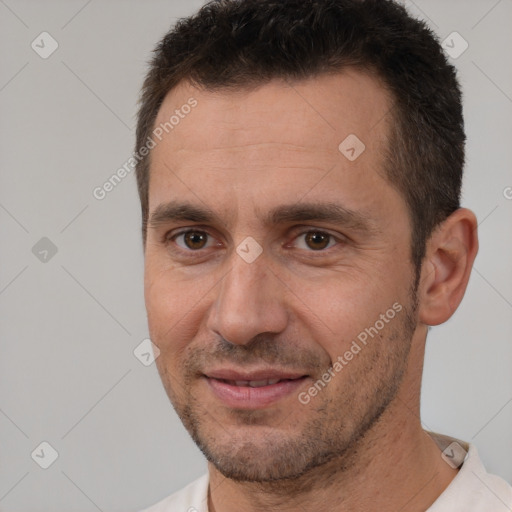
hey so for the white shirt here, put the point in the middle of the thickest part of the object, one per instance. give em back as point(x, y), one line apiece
point(472, 489)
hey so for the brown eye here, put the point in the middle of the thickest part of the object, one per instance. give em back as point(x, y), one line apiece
point(192, 240)
point(195, 239)
point(316, 240)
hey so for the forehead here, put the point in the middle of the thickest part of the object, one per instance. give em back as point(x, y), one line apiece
point(279, 138)
point(330, 104)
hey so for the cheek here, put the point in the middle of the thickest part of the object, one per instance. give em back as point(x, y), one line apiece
point(339, 309)
point(163, 307)
point(175, 309)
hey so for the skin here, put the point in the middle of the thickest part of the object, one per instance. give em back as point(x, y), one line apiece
point(359, 442)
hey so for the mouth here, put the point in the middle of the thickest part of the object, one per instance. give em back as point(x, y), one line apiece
point(255, 383)
point(253, 390)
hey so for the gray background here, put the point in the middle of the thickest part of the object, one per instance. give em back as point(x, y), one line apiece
point(69, 325)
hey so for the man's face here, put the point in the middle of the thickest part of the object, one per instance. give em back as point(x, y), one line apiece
point(252, 301)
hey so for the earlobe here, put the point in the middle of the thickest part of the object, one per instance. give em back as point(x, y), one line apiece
point(449, 258)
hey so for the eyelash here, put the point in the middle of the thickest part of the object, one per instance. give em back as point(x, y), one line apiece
point(172, 239)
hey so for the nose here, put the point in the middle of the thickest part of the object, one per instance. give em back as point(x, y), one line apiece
point(249, 301)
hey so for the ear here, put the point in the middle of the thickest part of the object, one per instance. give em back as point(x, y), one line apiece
point(449, 257)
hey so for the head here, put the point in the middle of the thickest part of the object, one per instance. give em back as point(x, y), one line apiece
point(303, 207)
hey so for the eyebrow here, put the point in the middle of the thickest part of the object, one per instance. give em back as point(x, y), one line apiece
point(299, 212)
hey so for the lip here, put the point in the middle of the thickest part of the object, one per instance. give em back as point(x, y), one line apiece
point(222, 384)
point(261, 374)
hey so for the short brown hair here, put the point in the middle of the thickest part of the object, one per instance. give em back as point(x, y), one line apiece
point(244, 43)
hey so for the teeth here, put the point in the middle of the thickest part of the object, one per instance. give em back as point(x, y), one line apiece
point(256, 383)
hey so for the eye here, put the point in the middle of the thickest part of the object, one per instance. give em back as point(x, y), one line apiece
point(315, 240)
point(192, 240)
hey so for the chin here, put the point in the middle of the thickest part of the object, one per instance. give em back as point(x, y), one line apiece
point(264, 455)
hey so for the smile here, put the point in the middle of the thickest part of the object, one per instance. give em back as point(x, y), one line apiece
point(252, 393)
